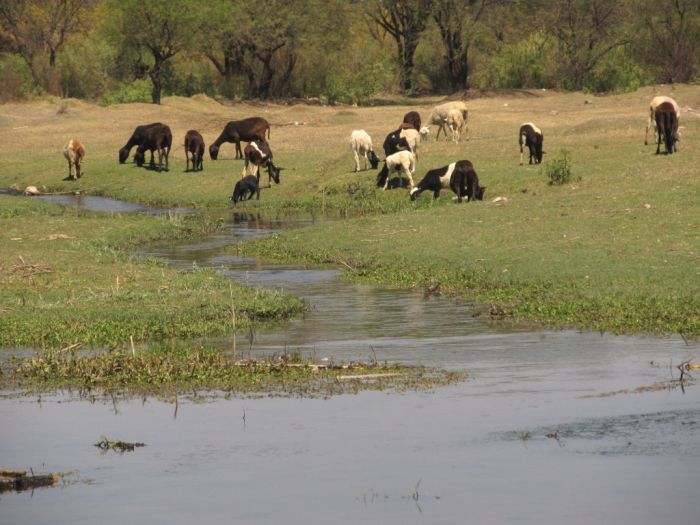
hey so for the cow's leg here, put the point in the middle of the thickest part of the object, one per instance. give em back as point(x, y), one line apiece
point(239, 153)
point(357, 161)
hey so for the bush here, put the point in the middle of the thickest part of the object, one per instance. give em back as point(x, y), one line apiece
point(136, 91)
point(16, 78)
point(617, 71)
point(559, 170)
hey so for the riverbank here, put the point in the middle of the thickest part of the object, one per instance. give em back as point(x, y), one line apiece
point(71, 277)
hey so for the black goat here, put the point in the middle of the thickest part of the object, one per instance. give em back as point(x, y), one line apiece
point(532, 137)
point(245, 188)
point(666, 127)
point(136, 139)
point(157, 138)
point(194, 145)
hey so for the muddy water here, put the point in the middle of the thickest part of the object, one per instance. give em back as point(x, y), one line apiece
point(475, 452)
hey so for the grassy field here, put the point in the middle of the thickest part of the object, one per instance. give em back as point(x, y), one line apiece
point(69, 277)
point(617, 250)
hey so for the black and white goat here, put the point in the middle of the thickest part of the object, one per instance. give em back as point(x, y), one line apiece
point(245, 188)
point(402, 162)
point(459, 176)
point(532, 137)
point(395, 142)
point(361, 144)
point(259, 154)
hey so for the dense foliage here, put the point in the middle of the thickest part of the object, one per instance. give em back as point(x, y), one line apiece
point(339, 50)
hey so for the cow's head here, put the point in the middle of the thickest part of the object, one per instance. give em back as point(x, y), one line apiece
point(274, 172)
point(479, 194)
point(213, 151)
point(123, 154)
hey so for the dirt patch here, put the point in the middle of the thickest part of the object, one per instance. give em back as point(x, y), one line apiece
point(471, 94)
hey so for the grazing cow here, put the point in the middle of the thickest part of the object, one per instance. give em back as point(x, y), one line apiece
point(401, 162)
point(651, 121)
point(237, 130)
point(459, 176)
point(532, 137)
point(156, 138)
point(136, 139)
point(361, 144)
point(74, 152)
point(456, 122)
point(666, 126)
point(245, 188)
point(395, 142)
point(259, 154)
point(411, 120)
point(440, 113)
point(194, 145)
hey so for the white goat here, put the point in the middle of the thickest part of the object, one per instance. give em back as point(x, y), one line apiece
point(361, 144)
point(403, 162)
point(412, 137)
point(74, 153)
point(651, 121)
point(455, 121)
point(440, 113)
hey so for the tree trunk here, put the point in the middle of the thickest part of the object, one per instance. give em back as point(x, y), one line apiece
point(156, 82)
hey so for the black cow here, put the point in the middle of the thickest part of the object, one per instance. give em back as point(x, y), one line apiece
point(666, 127)
point(136, 139)
point(156, 138)
point(194, 145)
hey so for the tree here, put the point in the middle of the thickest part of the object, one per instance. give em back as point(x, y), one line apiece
point(587, 30)
point(673, 30)
point(38, 29)
point(458, 21)
point(160, 27)
point(404, 20)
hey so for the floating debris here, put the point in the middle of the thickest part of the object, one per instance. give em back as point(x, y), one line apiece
point(118, 446)
point(15, 479)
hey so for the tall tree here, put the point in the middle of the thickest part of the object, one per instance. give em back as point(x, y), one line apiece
point(162, 28)
point(458, 21)
point(38, 29)
point(404, 20)
point(587, 30)
point(673, 30)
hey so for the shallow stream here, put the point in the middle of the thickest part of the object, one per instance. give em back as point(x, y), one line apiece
point(475, 452)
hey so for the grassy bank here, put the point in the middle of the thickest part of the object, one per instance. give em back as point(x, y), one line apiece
point(70, 277)
point(162, 371)
point(617, 250)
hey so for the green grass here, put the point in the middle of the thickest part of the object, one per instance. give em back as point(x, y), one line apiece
point(618, 248)
point(71, 277)
point(172, 370)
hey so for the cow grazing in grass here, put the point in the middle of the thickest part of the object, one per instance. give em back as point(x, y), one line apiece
point(156, 138)
point(651, 121)
point(666, 127)
point(246, 130)
point(259, 155)
point(136, 139)
point(194, 146)
point(361, 144)
point(459, 176)
point(402, 162)
point(532, 137)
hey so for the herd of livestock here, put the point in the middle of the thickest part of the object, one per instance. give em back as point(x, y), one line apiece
point(400, 147)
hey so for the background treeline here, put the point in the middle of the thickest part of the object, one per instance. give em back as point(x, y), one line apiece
point(340, 50)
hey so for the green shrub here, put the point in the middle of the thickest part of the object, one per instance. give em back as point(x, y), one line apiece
point(136, 91)
point(617, 71)
point(16, 78)
point(559, 170)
